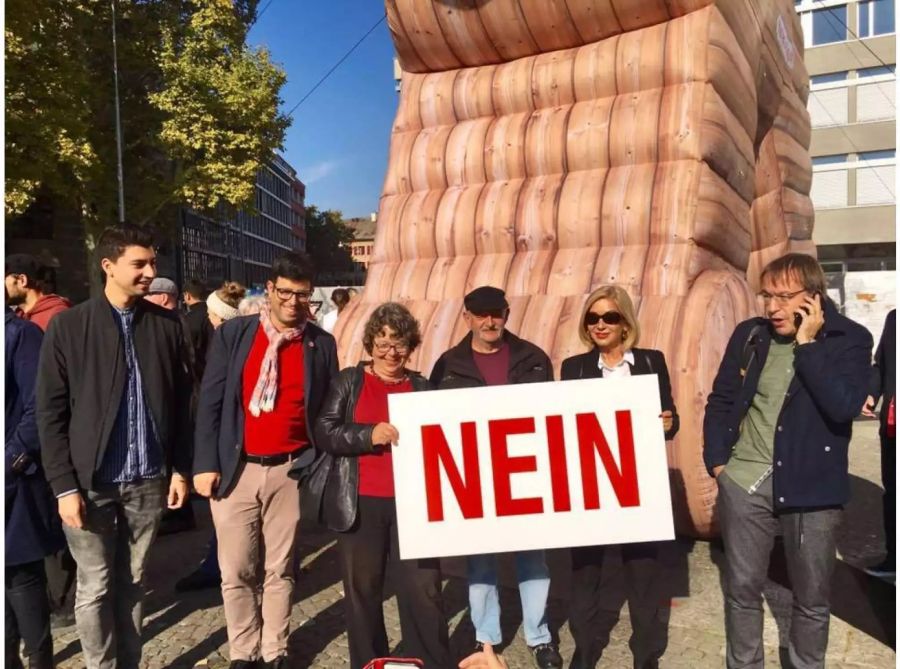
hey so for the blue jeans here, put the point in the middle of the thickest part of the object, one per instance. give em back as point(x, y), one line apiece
point(484, 599)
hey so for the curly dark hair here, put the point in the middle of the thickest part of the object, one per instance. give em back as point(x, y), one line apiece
point(396, 317)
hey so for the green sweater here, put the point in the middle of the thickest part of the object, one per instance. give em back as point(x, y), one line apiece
point(754, 451)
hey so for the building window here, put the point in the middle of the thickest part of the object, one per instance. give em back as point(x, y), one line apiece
point(875, 177)
point(829, 25)
point(829, 188)
point(829, 78)
point(880, 71)
point(828, 106)
point(876, 17)
point(888, 154)
point(833, 159)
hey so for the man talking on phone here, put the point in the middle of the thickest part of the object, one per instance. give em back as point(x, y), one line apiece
point(776, 435)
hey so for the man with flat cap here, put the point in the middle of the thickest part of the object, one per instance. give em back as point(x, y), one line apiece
point(490, 355)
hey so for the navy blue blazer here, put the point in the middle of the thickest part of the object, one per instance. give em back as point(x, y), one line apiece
point(219, 432)
point(812, 436)
point(33, 527)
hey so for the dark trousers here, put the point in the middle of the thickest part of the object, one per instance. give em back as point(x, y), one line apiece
point(28, 616)
point(365, 551)
point(749, 525)
point(61, 570)
point(595, 605)
point(889, 500)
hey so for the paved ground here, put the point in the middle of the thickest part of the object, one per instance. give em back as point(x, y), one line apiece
point(188, 630)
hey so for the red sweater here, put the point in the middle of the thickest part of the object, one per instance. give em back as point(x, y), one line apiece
point(284, 429)
point(44, 309)
point(376, 473)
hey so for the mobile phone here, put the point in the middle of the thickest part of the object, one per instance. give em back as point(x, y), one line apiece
point(21, 463)
point(798, 318)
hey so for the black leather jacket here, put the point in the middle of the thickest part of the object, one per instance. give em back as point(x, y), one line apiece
point(336, 475)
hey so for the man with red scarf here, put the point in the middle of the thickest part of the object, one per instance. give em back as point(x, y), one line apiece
point(266, 376)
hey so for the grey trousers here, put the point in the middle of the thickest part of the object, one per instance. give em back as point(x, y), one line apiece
point(111, 552)
point(749, 527)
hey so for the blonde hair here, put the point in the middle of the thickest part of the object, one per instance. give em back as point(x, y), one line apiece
point(231, 293)
point(625, 306)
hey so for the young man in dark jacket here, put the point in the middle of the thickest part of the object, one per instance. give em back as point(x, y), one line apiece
point(776, 435)
point(490, 356)
point(265, 381)
point(197, 319)
point(113, 409)
point(32, 526)
point(882, 384)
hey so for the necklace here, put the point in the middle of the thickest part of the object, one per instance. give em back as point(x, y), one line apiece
point(387, 380)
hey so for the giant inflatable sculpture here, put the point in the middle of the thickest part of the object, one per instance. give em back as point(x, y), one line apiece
point(550, 146)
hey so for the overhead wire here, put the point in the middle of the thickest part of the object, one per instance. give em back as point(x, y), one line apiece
point(337, 64)
point(832, 15)
point(840, 126)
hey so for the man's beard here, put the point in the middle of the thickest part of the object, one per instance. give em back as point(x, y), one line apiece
point(15, 301)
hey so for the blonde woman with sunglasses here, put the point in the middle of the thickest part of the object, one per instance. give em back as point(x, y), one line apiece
point(610, 328)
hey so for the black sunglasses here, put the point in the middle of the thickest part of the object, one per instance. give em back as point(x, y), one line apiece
point(610, 318)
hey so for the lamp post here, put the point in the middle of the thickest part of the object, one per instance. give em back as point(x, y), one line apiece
point(119, 172)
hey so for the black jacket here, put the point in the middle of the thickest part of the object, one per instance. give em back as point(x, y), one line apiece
point(219, 435)
point(456, 367)
point(344, 440)
point(813, 431)
point(883, 379)
point(81, 378)
point(646, 361)
point(200, 331)
point(33, 528)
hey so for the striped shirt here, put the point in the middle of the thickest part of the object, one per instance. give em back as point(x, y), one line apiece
point(133, 451)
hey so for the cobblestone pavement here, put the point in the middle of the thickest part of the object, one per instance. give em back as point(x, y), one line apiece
point(187, 630)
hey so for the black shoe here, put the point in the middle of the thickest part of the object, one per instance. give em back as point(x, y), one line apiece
point(243, 664)
point(198, 580)
point(280, 662)
point(887, 568)
point(546, 656)
point(61, 619)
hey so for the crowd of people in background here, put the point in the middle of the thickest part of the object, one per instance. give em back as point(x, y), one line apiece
point(117, 407)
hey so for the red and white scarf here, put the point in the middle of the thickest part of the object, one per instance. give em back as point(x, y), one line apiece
point(263, 398)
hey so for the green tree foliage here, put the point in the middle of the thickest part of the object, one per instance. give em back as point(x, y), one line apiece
point(199, 107)
point(328, 241)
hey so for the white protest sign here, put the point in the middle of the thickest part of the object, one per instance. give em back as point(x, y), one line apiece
point(538, 465)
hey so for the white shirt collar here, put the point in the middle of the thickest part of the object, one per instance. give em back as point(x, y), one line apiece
point(628, 357)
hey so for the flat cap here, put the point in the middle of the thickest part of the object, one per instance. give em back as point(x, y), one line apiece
point(163, 285)
point(484, 299)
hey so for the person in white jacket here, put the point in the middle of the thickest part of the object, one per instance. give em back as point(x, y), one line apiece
point(341, 298)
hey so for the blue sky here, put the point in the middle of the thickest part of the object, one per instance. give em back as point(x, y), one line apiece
point(338, 141)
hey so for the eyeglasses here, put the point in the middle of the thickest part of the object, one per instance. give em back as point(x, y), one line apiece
point(285, 294)
point(610, 318)
point(384, 346)
point(780, 298)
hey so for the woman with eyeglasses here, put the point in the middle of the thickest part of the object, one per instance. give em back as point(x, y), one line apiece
point(610, 327)
point(355, 428)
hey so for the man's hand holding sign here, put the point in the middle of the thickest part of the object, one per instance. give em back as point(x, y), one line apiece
point(508, 468)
